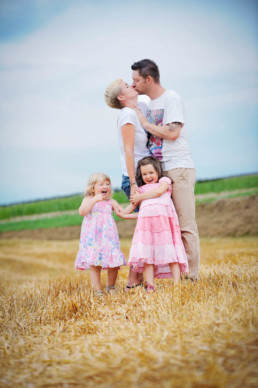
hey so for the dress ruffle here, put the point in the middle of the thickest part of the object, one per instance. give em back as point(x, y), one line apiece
point(159, 255)
point(157, 223)
point(157, 209)
point(106, 259)
point(160, 271)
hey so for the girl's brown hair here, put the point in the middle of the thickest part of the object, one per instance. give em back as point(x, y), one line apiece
point(143, 162)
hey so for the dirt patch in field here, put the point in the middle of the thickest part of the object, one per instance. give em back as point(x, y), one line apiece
point(223, 218)
point(228, 217)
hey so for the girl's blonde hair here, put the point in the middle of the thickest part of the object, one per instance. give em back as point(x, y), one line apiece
point(111, 94)
point(93, 179)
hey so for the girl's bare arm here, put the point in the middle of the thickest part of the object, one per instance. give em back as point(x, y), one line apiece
point(124, 212)
point(88, 203)
point(137, 197)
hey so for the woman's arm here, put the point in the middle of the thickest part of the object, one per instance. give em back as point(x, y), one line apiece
point(137, 197)
point(128, 134)
point(88, 203)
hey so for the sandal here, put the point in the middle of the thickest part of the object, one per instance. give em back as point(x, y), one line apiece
point(136, 285)
point(111, 289)
point(99, 293)
point(150, 288)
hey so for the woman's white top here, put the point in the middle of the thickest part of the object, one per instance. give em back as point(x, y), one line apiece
point(128, 116)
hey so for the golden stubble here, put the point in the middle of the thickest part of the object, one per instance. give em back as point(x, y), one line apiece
point(55, 332)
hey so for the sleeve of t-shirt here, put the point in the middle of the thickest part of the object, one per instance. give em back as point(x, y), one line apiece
point(168, 181)
point(144, 107)
point(128, 117)
point(174, 109)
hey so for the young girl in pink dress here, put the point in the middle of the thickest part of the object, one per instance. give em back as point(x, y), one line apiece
point(157, 247)
point(99, 241)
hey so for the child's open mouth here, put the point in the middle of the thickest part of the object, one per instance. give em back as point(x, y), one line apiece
point(104, 191)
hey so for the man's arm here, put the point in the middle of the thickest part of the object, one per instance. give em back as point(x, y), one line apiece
point(171, 131)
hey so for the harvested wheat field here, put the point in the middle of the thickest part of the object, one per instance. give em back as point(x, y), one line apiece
point(56, 333)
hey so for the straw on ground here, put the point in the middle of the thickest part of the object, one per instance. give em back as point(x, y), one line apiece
point(54, 332)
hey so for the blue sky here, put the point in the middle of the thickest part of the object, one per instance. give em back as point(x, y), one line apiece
point(58, 56)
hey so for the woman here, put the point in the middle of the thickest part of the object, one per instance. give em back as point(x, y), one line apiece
point(132, 142)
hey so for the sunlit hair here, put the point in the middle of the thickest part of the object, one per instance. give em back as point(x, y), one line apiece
point(147, 67)
point(111, 94)
point(143, 162)
point(93, 179)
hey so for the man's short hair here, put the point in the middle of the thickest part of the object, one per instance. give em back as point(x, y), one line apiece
point(147, 67)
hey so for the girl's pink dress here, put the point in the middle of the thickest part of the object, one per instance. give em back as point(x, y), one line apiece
point(99, 241)
point(157, 237)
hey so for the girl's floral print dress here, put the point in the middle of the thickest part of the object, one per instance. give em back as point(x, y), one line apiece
point(99, 240)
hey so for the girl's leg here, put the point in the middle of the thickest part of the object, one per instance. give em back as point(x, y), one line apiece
point(175, 270)
point(112, 276)
point(95, 277)
point(149, 274)
point(134, 278)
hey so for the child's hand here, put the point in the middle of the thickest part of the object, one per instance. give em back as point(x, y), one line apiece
point(134, 188)
point(135, 198)
point(120, 213)
point(99, 197)
point(126, 216)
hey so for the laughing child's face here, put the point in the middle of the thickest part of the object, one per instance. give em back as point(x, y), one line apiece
point(102, 187)
point(149, 174)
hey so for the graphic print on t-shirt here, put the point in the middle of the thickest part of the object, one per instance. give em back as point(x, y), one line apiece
point(155, 143)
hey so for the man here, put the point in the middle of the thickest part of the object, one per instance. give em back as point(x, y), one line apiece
point(167, 142)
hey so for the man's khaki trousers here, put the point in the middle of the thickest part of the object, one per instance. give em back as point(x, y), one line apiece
point(183, 181)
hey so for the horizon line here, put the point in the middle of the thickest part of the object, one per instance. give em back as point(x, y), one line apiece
point(115, 189)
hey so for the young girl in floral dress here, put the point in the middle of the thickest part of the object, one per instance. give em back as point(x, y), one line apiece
point(99, 241)
point(157, 247)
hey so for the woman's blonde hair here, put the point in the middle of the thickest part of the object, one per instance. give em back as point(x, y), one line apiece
point(93, 179)
point(111, 94)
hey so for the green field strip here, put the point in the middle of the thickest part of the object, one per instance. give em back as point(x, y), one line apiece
point(44, 223)
point(227, 196)
point(73, 202)
point(50, 206)
point(227, 184)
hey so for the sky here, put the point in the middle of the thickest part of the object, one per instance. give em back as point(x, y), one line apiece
point(58, 56)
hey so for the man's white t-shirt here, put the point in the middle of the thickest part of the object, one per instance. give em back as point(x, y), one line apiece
point(128, 116)
point(169, 108)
